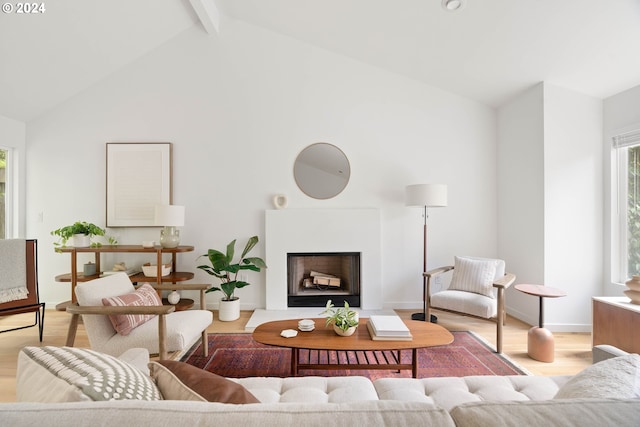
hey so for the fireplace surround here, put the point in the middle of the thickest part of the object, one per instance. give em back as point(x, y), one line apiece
point(290, 231)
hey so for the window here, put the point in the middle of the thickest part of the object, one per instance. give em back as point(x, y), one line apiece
point(627, 147)
point(4, 204)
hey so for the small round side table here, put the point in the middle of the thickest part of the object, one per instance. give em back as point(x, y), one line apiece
point(540, 343)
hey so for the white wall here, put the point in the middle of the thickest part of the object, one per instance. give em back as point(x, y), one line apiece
point(521, 195)
point(621, 112)
point(573, 200)
point(550, 198)
point(238, 108)
point(13, 136)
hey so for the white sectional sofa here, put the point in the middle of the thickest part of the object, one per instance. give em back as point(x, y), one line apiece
point(604, 394)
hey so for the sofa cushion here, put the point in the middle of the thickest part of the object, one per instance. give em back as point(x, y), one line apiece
point(145, 295)
point(617, 378)
point(449, 392)
point(181, 381)
point(170, 413)
point(310, 389)
point(566, 413)
point(67, 374)
point(474, 275)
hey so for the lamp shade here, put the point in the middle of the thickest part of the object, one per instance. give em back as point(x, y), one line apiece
point(429, 195)
point(169, 215)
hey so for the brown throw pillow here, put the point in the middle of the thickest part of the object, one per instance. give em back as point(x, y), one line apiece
point(181, 381)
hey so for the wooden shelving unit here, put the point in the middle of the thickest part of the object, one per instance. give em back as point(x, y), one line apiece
point(74, 277)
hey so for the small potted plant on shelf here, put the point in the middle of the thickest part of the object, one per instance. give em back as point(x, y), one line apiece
point(80, 232)
point(344, 319)
point(223, 267)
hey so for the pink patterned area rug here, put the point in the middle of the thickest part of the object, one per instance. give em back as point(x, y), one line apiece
point(238, 356)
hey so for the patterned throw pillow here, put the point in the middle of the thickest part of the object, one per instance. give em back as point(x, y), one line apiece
point(145, 295)
point(616, 378)
point(474, 275)
point(95, 375)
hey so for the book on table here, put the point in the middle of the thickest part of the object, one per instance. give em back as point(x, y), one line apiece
point(390, 328)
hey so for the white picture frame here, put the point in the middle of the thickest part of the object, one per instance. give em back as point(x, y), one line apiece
point(138, 179)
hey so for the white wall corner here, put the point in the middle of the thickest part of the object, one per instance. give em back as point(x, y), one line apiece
point(208, 14)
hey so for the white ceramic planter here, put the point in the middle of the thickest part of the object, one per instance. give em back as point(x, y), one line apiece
point(344, 333)
point(81, 240)
point(229, 310)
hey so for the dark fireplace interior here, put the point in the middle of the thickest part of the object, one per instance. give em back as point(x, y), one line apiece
point(314, 278)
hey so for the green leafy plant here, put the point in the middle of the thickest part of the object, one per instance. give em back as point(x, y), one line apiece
point(223, 267)
point(78, 227)
point(342, 317)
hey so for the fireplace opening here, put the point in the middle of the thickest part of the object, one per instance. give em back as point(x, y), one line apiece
point(314, 278)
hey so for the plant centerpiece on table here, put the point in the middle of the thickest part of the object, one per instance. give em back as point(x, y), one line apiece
point(344, 319)
point(81, 232)
point(223, 267)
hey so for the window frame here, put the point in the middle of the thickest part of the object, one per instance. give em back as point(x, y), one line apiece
point(619, 215)
point(8, 192)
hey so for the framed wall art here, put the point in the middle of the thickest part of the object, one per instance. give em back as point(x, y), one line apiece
point(138, 179)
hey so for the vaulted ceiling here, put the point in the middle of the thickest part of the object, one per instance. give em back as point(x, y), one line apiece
point(489, 51)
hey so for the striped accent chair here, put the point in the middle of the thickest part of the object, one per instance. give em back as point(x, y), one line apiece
point(477, 288)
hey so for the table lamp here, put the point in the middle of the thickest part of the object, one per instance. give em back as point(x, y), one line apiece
point(425, 196)
point(169, 217)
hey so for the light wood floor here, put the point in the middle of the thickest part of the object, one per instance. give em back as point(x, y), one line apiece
point(573, 350)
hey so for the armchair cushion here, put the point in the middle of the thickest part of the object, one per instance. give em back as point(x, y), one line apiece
point(67, 374)
point(474, 275)
point(466, 302)
point(145, 295)
point(181, 381)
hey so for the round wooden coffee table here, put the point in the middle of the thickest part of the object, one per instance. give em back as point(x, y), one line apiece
point(322, 340)
point(540, 341)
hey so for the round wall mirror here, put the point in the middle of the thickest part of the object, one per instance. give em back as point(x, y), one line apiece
point(321, 170)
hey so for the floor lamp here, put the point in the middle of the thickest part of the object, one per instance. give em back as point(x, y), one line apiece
point(425, 196)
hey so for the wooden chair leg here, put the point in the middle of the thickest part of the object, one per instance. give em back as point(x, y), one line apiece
point(205, 343)
point(205, 339)
point(500, 320)
point(162, 336)
point(203, 303)
point(73, 328)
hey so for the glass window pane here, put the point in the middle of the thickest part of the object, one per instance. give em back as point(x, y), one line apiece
point(633, 211)
point(3, 193)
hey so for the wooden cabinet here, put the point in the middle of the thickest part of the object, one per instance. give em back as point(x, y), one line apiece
point(616, 322)
point(74, 277)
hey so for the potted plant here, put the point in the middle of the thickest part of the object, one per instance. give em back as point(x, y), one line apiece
point(223, 267)
point(344, 320)
point(80, 231)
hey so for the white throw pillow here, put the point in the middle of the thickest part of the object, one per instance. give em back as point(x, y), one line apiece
point(474, 275)
point(67, 374)
point(616, 378)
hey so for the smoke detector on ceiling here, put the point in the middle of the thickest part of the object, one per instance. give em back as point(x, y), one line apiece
point(452, 5)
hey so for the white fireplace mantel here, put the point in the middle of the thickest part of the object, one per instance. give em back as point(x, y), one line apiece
point(323, 230)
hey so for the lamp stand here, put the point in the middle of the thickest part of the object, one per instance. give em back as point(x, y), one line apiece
point(424, 315)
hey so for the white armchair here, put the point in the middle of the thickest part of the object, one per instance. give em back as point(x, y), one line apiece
point(476, 289)
point(171, 331)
